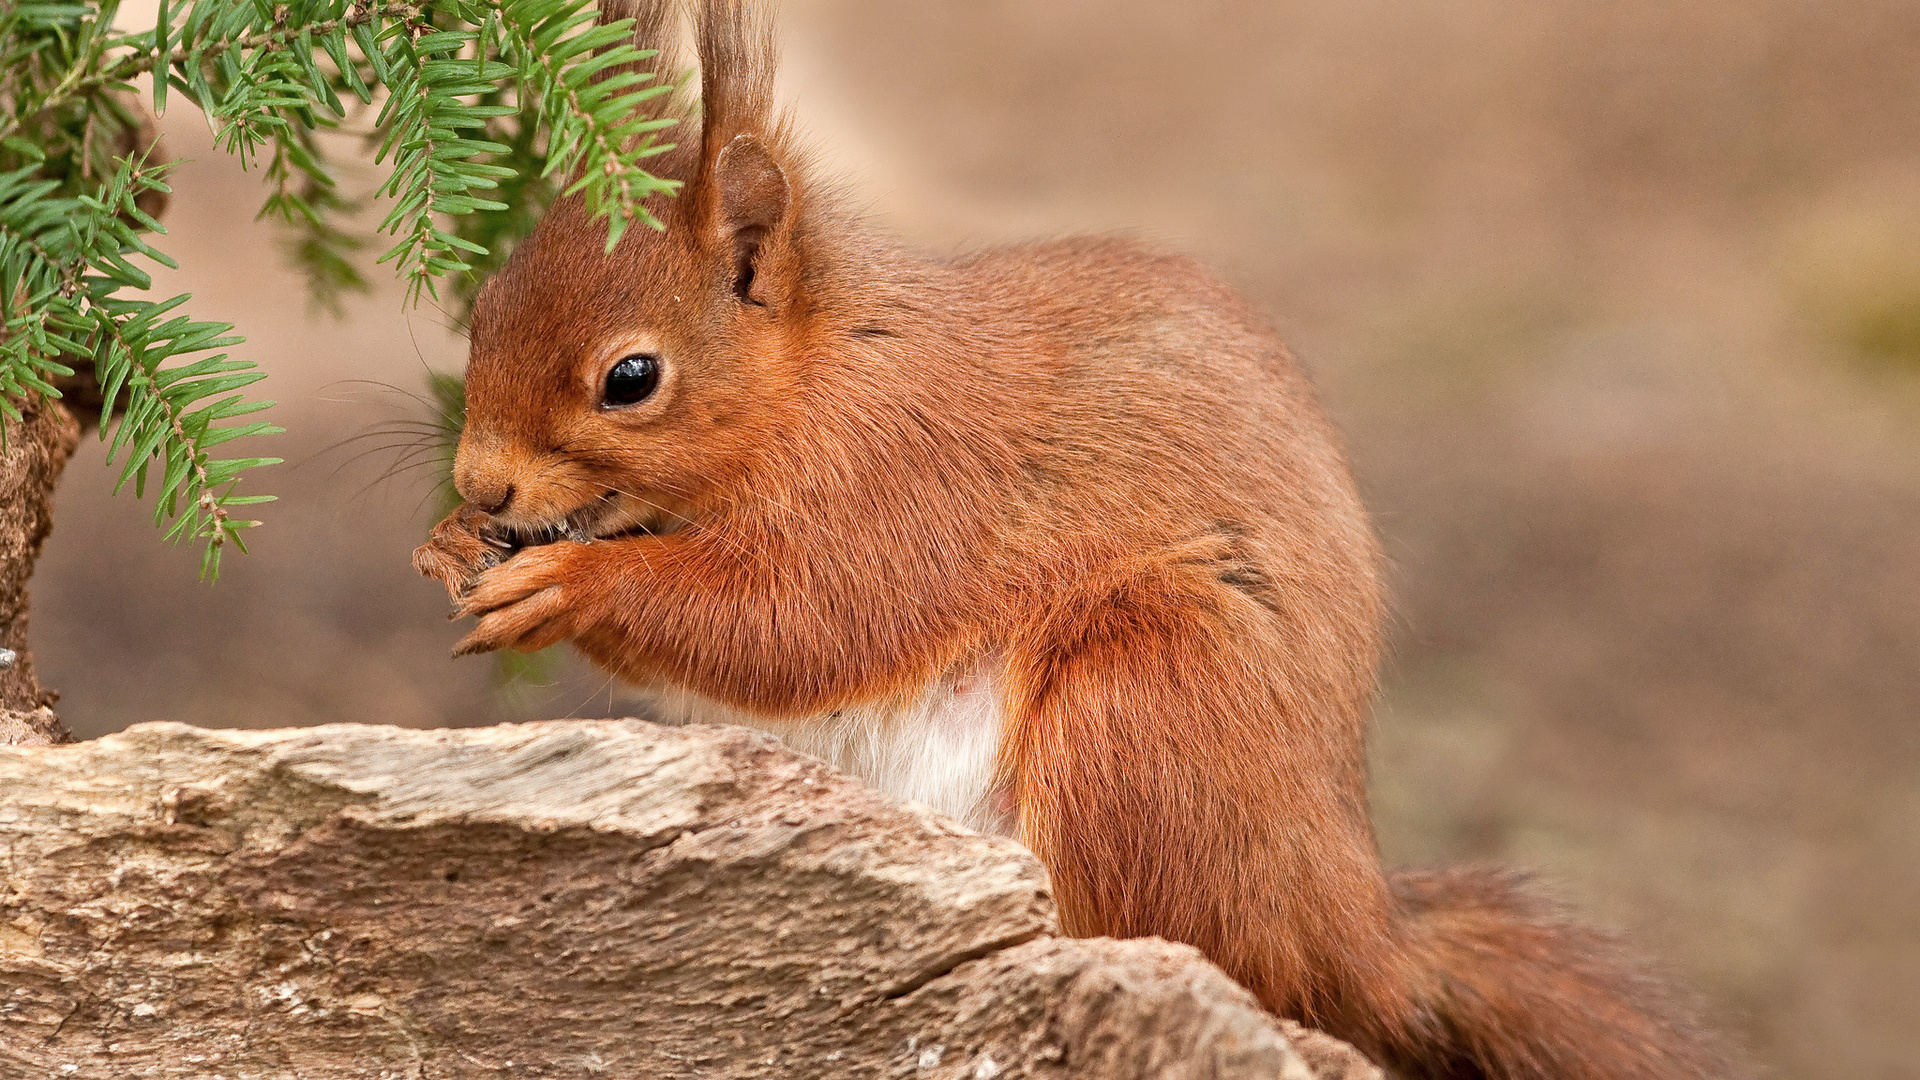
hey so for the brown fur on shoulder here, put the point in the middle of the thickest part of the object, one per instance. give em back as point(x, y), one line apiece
point(839, 473)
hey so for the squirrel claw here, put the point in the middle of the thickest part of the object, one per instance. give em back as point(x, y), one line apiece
point(529, 629)
point(467, 646)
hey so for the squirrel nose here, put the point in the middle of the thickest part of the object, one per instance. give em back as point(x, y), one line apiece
point(488, 494)
point(491, 502)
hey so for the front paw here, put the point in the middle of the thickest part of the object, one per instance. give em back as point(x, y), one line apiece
point(533, 600)
point(459, 551)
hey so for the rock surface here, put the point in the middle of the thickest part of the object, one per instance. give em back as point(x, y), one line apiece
point(569, 899)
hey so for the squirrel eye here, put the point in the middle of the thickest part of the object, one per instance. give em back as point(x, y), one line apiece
point(631, 381)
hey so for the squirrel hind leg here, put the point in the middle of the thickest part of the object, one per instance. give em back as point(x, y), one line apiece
point(1167, 766)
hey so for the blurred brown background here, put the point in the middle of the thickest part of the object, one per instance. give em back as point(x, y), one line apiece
point(1618, 304)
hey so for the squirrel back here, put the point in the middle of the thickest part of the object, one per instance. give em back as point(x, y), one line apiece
point(1054, 536)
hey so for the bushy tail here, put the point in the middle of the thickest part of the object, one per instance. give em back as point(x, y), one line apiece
point(1508, 989)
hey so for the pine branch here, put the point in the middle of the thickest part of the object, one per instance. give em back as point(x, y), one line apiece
point(600, 127)
point(64, 260)
point(489, 107)
point(130, 66)
point(434, 171)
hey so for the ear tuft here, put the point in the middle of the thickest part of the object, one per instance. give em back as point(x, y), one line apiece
point(753, 202)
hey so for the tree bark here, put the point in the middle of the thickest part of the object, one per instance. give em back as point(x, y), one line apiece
point(37, 448)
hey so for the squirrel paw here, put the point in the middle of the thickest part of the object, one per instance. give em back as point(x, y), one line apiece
point(459, 551)
point(526, 603)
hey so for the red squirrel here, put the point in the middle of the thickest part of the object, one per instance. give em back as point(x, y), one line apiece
point(1052, 537)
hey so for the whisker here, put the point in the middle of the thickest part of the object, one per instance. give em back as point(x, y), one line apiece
point(369, 452)
point(448, 321)
point(411, 450)
point(421, 456)
point(422, 504)
point(384, 431)
point(391, 473)
point(606, 686)
point(378, 385)
point(435, 408)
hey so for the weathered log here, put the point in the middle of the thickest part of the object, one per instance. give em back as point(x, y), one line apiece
point(570, 899)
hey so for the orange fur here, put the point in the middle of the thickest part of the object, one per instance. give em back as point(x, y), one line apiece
point(1087, 459)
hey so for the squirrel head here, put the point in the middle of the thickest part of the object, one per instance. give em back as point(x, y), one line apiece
point(609, 392)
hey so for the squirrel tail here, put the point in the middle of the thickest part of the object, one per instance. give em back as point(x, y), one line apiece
point(1508, 989)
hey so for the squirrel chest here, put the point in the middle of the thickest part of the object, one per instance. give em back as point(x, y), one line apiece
point(940, 747)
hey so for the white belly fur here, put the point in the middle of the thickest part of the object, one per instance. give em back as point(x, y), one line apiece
point(941, 748)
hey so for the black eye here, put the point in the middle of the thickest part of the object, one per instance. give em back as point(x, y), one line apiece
point(631, 381)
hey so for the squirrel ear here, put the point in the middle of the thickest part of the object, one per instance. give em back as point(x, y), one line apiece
point(752, 203)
